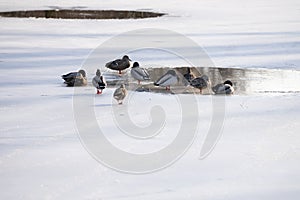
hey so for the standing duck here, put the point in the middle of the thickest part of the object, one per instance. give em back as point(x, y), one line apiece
point(168, 79)
point(119, 64)
point(223, 88)
point(99, 82)
point(120, 93)
point(138, 73)
point(75, 78)
point(201, 82)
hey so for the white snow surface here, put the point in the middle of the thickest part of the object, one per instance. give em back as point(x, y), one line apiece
point(41, 156)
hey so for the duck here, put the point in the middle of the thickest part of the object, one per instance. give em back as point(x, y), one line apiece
point(168, 79)
point(120, 94)
point(189, 76)
point(75, 78)
point(223, 88)
point(201, 82)
point(119, 64)
point(99, 82)
point(138, 73)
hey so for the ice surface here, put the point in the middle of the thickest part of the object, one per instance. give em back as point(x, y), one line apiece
point(41, 156)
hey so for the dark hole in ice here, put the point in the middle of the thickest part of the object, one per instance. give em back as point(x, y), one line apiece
point(82, 14)
point(246, 81)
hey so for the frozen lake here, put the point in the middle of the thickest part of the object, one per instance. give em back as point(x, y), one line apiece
point(256, 154)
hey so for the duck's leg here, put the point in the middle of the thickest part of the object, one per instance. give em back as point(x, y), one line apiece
point(139, 82)
point(99, 91)
point(168, 88)
point(200, 90)
point(120, 72)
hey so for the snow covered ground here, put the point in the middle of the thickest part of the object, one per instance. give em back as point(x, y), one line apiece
point(41, 155)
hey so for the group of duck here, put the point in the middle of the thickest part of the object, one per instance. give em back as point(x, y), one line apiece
point(167, 80)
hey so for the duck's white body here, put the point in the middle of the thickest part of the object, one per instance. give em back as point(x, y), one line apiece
point(168, 79)
point(139, 73)
point(223, 89)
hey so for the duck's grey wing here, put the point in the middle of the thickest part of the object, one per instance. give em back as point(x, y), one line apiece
point(162, 79)
point(195, 82)
point(123, 64)
point(219, 88)
point(166, 80)
point(113, 64)
point(140, 74)
point(98, 82)
point(146, 74)
point(70, 82)
point(108, 64)
point(95, 82)
point(70, 75)
point(199, 82)
point(118, 92)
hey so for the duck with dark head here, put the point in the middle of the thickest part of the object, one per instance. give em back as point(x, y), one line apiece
point(75, 78)
point(139, 73)
point(223, 88)
point(119, 64)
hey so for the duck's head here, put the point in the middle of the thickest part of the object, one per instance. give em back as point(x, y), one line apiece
point(82, 72)
point(98, 73)
point(125, 57)
point(122, 86)
point(171, 72)
point(228, 82)
point(135, 64)
point(205, 77)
